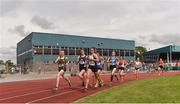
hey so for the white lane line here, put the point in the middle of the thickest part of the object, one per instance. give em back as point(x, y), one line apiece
point(19, 90)
point(23, 95)
point(51, 96)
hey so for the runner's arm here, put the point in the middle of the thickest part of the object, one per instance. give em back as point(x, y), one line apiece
point(57, 60)
point(95, 57)
point(102, 60)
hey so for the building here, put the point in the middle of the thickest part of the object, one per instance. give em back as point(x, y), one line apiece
point(43, 48)
point(169, 53)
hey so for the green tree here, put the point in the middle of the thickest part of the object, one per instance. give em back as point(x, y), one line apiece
point(1, 62)
point(9, 64)
point(139, 51)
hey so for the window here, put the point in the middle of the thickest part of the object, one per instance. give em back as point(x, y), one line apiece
point(55, 51)
point(127, 53)
point(122, 53)
point(87, 51)
point(117, 52)
point(38, 51)
point(71, 51)
point(132, 53)
point(78, 51)
point(105, 52)
point(47, 50)
point(110, 51)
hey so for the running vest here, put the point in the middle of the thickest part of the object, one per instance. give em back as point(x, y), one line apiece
point(99, 62)
point(91, 61)
point(82, 60)
point(62, 62)
point(138, 64)
point(113, 60)
point(122, 63)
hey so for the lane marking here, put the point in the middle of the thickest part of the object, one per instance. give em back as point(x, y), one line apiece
point(24, 95)
point(52, 96)
point(23, 89)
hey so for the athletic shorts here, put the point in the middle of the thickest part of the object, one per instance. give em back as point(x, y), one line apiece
point(161, 67)
point(93, 68)
point(61, 68)
point(137, 68)
point(112, 67)
point(82, 67)
point(99, 69)
point(121, 68)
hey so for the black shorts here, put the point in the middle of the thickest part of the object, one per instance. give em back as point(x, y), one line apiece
point(121, 68)
point(82, 67)
point(161, 67)
point(137, 68)
point(112, 67)
point(93, 68)
point(99, 69)
point(61, 68)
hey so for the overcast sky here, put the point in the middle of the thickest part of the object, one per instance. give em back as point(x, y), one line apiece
point(151, 23)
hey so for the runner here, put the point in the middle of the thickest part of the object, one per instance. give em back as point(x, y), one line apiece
point(161, 66)
point(122, 64)
point(92, 60)
point(100, 64)
point(113, 60)
point(82, 61)
point(138, 66)
point(62, 61)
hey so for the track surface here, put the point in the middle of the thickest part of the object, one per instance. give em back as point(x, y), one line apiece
point(40, 91)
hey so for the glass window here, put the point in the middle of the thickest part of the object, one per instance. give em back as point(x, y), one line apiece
point(122, 53)
point(55, 51)
point(71, 51)
point(132, 53)
point(127, 53)
point(78, 51)
point(105, 52)
point(38, 51)
point(47, 51)
point(66, 51)
point(110, 51)
point(117, 52)
point(86, 51)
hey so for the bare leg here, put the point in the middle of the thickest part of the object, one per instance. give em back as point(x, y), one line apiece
point(81, 76)
point(59, 75)
point(87, 78)
point(67, 79)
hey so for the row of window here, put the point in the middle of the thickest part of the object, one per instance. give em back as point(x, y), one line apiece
point(76, 51)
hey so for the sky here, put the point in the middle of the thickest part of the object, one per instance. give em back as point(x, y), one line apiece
point(151, 23)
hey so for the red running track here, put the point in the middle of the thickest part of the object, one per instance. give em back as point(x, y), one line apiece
point(40, 91)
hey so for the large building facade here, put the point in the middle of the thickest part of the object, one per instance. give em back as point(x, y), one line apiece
point(169, 53)
point(42, 48)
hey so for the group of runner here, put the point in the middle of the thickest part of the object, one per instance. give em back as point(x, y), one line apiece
point(93, 63)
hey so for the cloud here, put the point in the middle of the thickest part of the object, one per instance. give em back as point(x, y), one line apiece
point(20, 29)
point(8, 6)
point(8, 53)
point(42, 22)
point(165, 39)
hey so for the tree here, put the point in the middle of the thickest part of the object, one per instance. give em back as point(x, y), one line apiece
point(9, 64)
point(1, 62)
point(139, 52)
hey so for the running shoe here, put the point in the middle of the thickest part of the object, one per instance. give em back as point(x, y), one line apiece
point(110, 84)
point(55, 88)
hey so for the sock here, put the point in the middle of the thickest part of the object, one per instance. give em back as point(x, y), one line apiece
point(111, 78)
